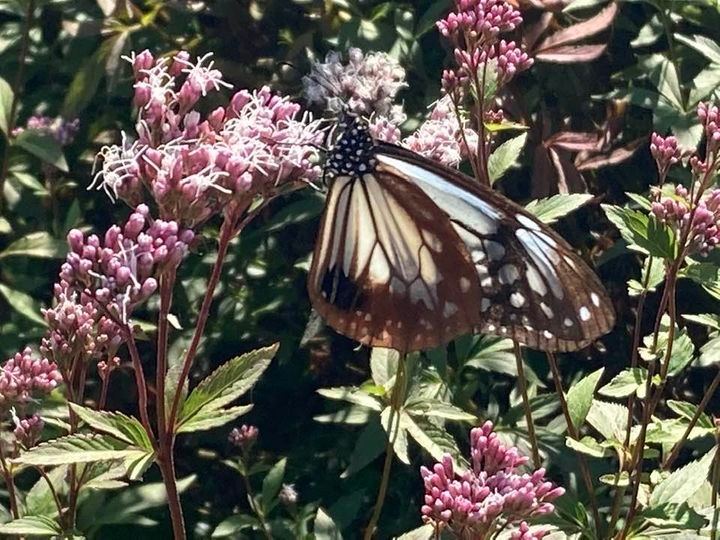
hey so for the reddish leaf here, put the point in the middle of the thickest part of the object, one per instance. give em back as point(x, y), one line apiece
point(613, 158)
point(582, 30)
point(532, 32)
point(554, 172)
point(570, 54)
point(574, 141)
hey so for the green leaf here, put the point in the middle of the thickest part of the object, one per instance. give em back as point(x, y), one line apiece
point(439, 409)
point(273, 482)
point(5, 227)
point(86, 81)
point(32, 525)
point(588, 446)
point(656, 276)
point(711, 320)
point(496, 354)
point(705, 46)
point(580, 397)
point(369, 445)
point(226, 384)
point(396, 433)
point(614, 480)
point(6, 99)
point(684, 482)
point(610, 419)
point(43, 146)
point(383, 365)
point(24, 304)
point(235, 524)
point(209, 419)
point(505, 156)
point(625, 383)
point(688, 411)
point(434, 440)
point(80, 448)
point(352, 415)
point(682, 347)
point(122, 427)
point(37, 244)
point(39, 500)
point(324, 527)
point(705, 274)
point(642, 233)
point(426, 532)
point(709, 353)
point(643, 202)
point(553, 208)
point(351, 395)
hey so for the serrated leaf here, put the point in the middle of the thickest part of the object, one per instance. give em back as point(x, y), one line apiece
point(553, 208)
point(39, 500)
point(625, 383)
point(580, 396)
point(122, 427)
point(588, 446)
point(396, 433)
point(610, 419)
point(656, 276)
point(273, 482)
point(439, 409)
point(496, 354)
point(434, 440)
point(80, 448)
point(43, 146)
point(710, 320)
point(383, 365)
point(705, 274)
point(205, 420)
point(709, 353)
point(23, 303)
point(688, 411)
point(37, 244)
point(6, 100)
point(705, 46)
point(351, 395)
point(684, 482)
point(682, 347)
point(642, 233)
point(226, 383)
point(32, 525)
point(505, 156)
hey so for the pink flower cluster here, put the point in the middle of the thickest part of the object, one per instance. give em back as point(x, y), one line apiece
point(195, 166)
point(474, 31)
point(28, 430)
point(709, 115)
point(665, 151)
point(63, 131)
point(367, 84)
point(674, 210)
point(120, 271)
point(25, 375)
point(77, 330)
point(440, 137)
point(491, 495)
point(244, 437)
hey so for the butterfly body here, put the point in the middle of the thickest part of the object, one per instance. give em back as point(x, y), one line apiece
point(412, 254)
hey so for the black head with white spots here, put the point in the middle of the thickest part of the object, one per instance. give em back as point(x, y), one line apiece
point(353, 154)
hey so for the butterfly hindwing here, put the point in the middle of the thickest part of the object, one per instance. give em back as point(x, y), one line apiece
point(534, 288)
point(386, 271)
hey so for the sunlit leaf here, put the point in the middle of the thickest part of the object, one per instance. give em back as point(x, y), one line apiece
point(628, 381)
point(273, 482)
point(553, 208)
point(580, 397)
point(32, 525)
point(684, 482)
point(6, 99)
point(324, 527)
point(24, 304)
point(38, 244)
point(43, 146)
point(505, 156)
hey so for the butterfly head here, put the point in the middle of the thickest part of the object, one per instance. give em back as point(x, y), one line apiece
point(353, 154)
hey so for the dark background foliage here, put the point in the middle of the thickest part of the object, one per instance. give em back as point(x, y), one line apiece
point(73, 69)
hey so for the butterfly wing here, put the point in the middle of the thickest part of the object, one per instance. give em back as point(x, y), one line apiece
point(389, 270)
point(533, 287)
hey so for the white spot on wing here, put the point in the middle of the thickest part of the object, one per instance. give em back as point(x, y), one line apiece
point(547, 310)
point(595, 299)
point(464, 284)
point(584, 313)
point(527, 222)
point(508, 274)
point(517, 300)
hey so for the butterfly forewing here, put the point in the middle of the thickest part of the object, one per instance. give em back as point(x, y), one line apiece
point(386, 272)
point(411, 254)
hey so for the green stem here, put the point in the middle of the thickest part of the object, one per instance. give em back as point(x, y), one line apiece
point(9, 484)
point(526, 405)
point(572, 431)
point(254, 507)
point(398, 398)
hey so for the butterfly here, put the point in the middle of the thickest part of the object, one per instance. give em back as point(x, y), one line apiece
point(412, 254)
